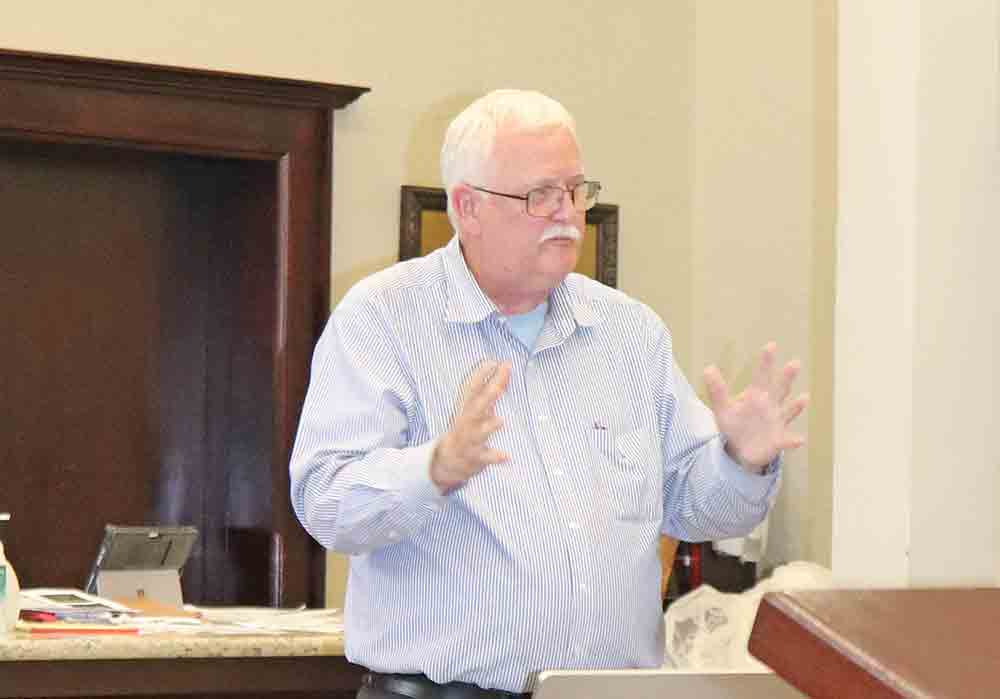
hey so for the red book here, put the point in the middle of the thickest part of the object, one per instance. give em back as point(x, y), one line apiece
point(69, 628)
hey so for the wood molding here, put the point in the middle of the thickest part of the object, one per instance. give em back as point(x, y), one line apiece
point(104, 73)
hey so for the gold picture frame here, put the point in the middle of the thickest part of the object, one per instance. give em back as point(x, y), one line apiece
point(424, 227)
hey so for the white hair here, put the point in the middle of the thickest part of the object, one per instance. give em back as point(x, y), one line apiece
point(468, 142)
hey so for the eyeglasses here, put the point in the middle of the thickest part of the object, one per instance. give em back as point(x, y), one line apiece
point(545, 201)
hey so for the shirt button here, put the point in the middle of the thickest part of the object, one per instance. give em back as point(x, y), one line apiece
point(573, 525)
point(394, 535)
point(583, 588)
point(557, 472)
point(543, 418)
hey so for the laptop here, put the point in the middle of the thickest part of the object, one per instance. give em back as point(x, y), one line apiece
point(661, 684)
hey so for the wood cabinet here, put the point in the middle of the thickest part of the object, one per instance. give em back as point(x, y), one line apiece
point(164, 274)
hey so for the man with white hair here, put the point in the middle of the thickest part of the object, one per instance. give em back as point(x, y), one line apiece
point(498, 442)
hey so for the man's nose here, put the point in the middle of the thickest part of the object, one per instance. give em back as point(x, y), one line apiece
point(567, 209)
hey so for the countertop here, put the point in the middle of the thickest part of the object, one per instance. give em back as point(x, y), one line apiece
point(21, 646)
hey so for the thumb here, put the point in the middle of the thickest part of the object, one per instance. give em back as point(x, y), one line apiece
point(718, 391)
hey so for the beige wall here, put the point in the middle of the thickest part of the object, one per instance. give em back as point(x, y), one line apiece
point(762, 219)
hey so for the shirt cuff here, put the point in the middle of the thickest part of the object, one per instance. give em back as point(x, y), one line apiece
point(751, 486)
point(417, 488)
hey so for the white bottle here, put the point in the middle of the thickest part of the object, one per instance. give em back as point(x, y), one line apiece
point(9, 590)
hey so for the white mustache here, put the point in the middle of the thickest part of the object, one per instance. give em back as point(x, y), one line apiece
point(561, 230)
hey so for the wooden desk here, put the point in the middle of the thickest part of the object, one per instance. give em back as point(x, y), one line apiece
point(882, 644)
point(297, 665)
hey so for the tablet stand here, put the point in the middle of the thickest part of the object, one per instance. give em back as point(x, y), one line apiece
point(162, 585)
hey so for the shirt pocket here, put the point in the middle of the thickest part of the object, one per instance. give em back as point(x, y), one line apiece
point(630, 470)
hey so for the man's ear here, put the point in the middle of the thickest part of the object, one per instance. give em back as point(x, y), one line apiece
point(465, 202)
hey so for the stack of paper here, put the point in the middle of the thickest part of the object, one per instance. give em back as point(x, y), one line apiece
point(68, 604)
point(272, 620)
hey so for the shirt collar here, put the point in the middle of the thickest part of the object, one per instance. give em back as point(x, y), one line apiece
point(468, 303)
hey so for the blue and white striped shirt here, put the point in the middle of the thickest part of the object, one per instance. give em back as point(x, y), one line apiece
point(548, 560)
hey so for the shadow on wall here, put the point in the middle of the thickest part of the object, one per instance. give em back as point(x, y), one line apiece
point(422, 165)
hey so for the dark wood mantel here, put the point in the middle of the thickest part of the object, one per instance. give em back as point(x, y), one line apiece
point(164, 276)
point(138, 77)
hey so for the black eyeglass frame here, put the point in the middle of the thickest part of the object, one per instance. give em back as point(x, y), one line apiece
point(525, 197)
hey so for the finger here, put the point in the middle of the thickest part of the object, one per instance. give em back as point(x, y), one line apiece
point(479, 460)
point(484, 402)
point(793, 409)
point(485, 428)
point(718, 392)
point(762, 375)
point(498, 384)
point(791, 441)
point(477, 387)
point(471, 431)
point(493, 456)
point(788, 374)
point(476, 381)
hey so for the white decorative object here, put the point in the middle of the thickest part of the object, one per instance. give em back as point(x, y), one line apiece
point(709, 630)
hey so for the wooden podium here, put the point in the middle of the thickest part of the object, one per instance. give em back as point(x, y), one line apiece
point(861, 644)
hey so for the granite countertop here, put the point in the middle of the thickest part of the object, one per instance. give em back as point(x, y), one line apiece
point(24, 646)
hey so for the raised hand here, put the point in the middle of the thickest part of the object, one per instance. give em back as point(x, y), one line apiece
point(462, 452)
point(755, 422)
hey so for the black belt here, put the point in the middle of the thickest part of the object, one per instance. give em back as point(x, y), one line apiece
point(419, 687)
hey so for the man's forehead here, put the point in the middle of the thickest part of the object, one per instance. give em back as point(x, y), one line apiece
point(512, 133)
point(549, 154)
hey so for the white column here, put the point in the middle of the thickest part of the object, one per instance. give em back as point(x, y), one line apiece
point(915, 475)
point(956, 382)
point(873, 366)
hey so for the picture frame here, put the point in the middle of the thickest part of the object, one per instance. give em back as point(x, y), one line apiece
point(424, 227)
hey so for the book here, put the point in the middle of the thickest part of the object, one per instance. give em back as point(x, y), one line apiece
point(73, 628)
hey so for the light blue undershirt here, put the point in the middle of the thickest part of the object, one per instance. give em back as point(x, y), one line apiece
point(526, 326)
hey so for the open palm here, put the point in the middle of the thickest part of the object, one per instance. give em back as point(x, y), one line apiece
point(755, 423)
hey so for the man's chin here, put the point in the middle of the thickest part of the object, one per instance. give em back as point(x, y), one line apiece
point(562, 256)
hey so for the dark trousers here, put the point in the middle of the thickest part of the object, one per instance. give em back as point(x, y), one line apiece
point(372, 693)
point(381, 686)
